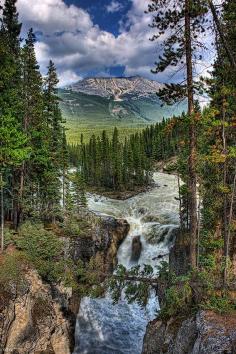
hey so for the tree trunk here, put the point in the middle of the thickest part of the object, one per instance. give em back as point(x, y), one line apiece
point(229, 229)
point(192, 138)
point(224, 178)
point(221, 35)
point(2, 214)
point(63, 190)
point(180, 205)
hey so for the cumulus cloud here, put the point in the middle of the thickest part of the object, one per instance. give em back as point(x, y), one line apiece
point(53, 16)
point(67, 35)
point(68, 77)
point(114, 6)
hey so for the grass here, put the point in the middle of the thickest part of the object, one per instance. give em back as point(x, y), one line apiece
point(89, 114)
point(74, 131)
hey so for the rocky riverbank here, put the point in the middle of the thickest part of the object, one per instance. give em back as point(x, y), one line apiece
point(205, 332)
point(38, 317)
point(32, 319)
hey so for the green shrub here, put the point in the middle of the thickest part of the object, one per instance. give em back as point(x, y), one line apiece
point(9, 237)
point(178, 299)
point(42, 248)
point(12, 268)
point(219, 304)
point(72, 229)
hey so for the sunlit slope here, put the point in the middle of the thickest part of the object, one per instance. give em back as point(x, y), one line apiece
point(91, 106)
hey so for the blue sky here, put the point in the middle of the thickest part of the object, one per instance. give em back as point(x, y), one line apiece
point(93, 37)
point(107, 20)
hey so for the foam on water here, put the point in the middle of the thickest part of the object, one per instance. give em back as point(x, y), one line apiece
point(104, 328)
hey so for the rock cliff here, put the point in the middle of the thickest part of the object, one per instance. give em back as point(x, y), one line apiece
point(205, 333)
point(36, 317)
point(31, 321)
point(104, 238)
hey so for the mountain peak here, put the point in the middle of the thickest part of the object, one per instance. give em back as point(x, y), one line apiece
point(117, 87)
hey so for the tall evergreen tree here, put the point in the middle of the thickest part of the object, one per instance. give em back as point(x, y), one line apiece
point(10, 87)
point(181, 22)
point(54, 140)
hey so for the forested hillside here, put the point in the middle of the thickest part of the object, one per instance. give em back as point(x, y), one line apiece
point(58, 235)
point(206, 164)
point(127, 164)
point(96, 104)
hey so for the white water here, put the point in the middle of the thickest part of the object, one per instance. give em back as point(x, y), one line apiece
point(104, 328)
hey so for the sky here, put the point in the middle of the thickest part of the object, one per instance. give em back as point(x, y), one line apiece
point(88, 38)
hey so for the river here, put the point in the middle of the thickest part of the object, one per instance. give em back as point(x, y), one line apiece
point(104, 328)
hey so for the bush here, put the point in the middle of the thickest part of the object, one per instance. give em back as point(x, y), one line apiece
point(9, 237)
point(219, 304)
point(72, 229)
point(12, 268)
point(42, 248)
point(178, 299)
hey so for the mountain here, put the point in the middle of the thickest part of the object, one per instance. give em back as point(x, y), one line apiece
point(117, 88)
point(103, 103)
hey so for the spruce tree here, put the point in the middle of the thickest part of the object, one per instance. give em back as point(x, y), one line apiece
point(33, 125)
point(220, 138)
point(10, 90)
point(181, 22)
point(50, 181)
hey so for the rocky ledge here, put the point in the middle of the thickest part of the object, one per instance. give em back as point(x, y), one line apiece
point(31, 320)
point(102, 238)
point(205, 333)
point(40, 318)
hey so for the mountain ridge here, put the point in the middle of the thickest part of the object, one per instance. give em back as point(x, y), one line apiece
point(96, 104)
point(117, 88)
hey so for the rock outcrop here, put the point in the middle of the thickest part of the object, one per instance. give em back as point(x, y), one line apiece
point(103, 238)
point(31, 321)
point(205, 333)
point(40, 318)
point(136, 248)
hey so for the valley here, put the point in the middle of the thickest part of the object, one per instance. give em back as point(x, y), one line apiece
point(93, 105)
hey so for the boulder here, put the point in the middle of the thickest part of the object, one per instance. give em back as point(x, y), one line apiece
point(205, 333)
point(136, 248)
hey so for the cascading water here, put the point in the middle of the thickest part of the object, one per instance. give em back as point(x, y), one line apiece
point(104, 328)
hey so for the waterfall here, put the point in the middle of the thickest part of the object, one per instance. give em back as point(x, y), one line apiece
point(104, 328)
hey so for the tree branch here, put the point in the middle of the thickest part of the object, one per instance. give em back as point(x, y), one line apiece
point(221, 34)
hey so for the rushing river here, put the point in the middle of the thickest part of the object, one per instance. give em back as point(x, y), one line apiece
point(104, 328)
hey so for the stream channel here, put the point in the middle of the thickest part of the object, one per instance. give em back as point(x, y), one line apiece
point(153, 216)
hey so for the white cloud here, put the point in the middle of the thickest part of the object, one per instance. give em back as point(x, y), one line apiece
point(78, 45)
point(68, 77)
point(114, 6)
point(68, 36)
point(53, 16)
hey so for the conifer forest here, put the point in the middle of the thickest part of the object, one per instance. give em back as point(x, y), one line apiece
point(122, 240)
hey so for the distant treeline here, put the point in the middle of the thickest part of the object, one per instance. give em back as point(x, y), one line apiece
point(114, 164)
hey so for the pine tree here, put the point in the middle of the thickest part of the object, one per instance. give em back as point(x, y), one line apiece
point(116, 160)
point(50, 181)
point(78, 191)
point(33, 125)
point(181, 22)
point(11, 27)
point(219, 143)
point(10, 92)
point(64, 165)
